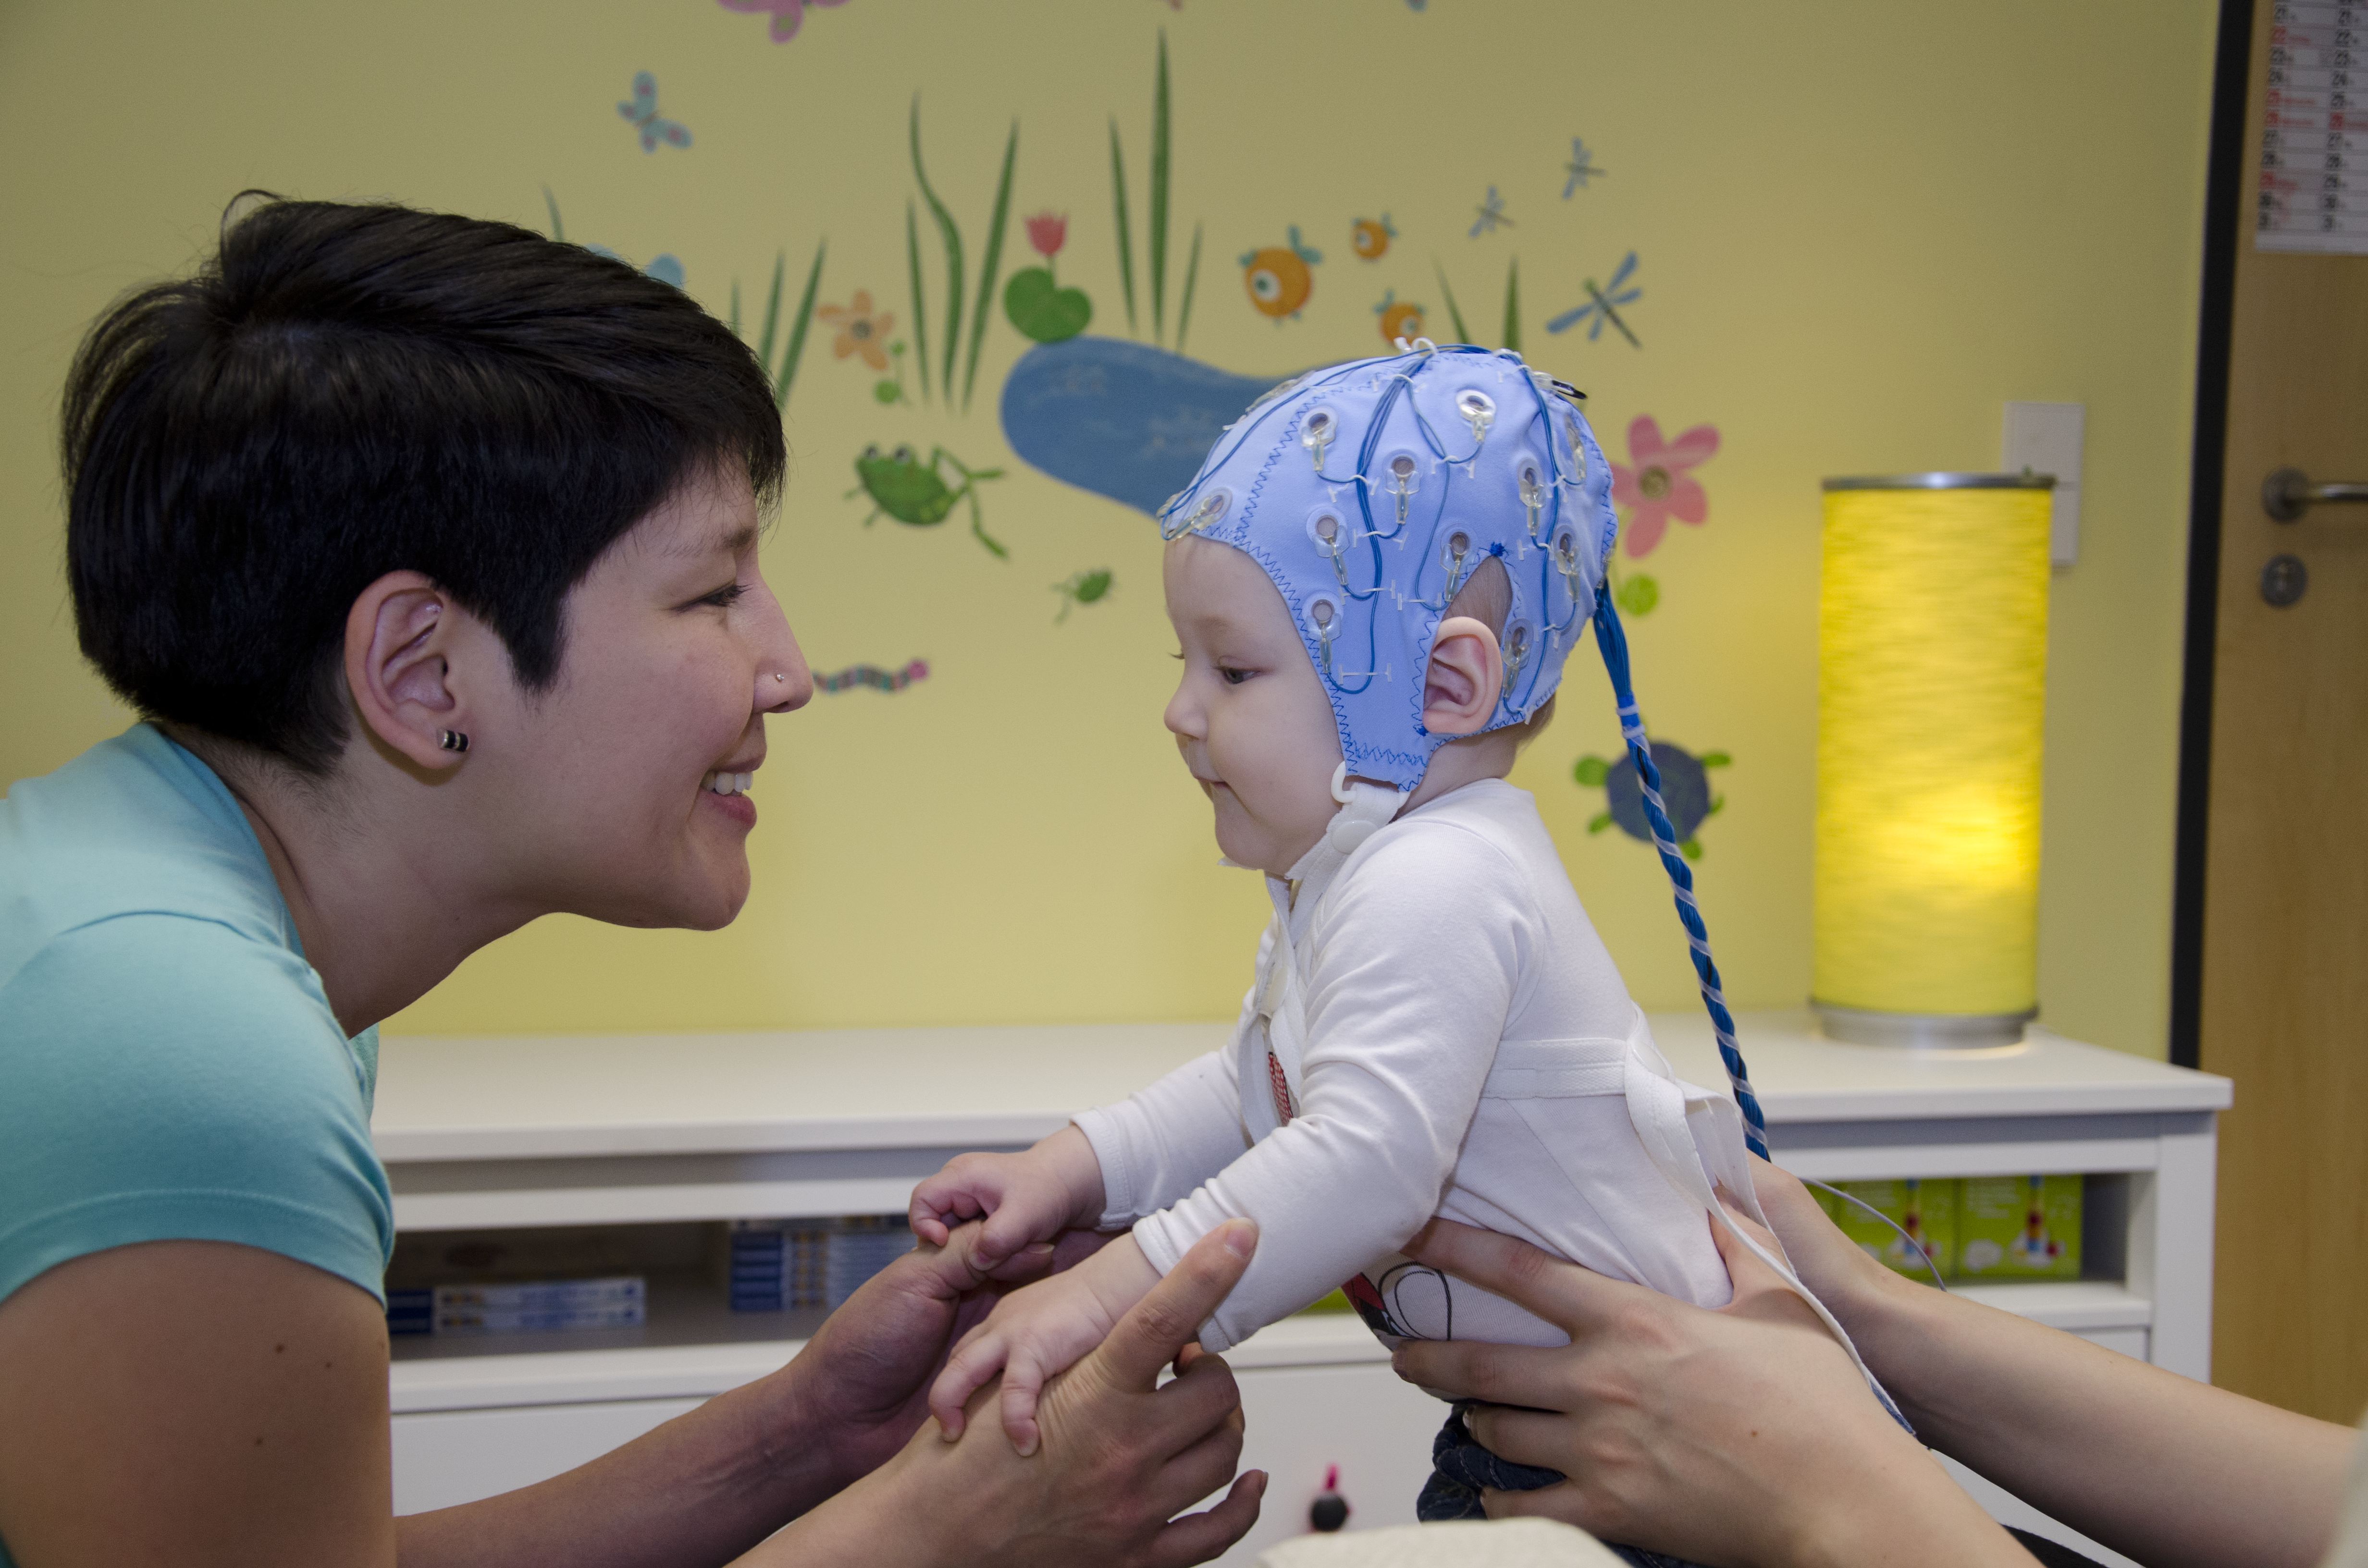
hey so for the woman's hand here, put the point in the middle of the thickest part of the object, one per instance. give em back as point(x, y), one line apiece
point(1122, 1456)
point(1742, 1436)
point(859, 1389)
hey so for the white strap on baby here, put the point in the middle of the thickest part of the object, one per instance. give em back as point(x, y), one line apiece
point(1660, 1108)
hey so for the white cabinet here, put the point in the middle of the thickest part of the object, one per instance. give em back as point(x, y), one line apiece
point(535, 1130)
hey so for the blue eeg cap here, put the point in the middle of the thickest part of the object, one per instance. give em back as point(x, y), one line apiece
point(1369, 492)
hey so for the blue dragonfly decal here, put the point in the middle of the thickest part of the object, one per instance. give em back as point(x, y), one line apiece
point(641, 110)
point(1602, 305)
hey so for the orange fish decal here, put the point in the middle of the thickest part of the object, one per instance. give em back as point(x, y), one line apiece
point(1371, 238)
point(1278, 278)
point(1399, 318)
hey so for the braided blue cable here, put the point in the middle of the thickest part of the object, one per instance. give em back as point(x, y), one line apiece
point(1613, 642)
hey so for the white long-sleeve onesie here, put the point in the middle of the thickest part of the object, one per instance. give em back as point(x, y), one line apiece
point(1455, 1040)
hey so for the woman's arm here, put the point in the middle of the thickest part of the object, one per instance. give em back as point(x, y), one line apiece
point(2159, 1467)
point(1122, 1456)
point(1742, 1436)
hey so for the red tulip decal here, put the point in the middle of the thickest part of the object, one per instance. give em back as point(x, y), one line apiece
point(1047, 231)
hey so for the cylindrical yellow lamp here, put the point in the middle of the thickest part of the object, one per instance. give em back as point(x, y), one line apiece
point(1931, 702)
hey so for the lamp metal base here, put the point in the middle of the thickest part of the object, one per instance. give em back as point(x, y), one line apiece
point(1922, 1031)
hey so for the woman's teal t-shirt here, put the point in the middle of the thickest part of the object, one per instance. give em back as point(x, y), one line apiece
point(169, 1067)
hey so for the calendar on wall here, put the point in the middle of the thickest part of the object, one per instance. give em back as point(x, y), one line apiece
point(2314, 190)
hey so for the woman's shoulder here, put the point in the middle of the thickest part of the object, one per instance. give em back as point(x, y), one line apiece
point(169, 1067)
point(134, 826)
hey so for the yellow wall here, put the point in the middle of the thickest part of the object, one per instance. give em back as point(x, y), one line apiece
point(1862, 228)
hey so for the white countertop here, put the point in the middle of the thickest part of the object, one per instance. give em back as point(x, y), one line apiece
point(456, 1097)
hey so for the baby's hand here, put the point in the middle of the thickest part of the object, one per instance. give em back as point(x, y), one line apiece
point(1026, 1198)
point(1037, 1332)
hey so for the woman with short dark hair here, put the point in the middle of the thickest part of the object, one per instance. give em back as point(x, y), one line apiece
point(427, 549)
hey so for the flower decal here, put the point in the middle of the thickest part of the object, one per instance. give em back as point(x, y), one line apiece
point(788, 15)
point(1047, 231)
point(860, 329)
point(1655, 484)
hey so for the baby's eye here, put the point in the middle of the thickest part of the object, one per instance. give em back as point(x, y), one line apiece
point(1233, 676)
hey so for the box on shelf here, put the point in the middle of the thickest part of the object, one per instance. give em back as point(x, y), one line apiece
point(797, 1265)
point(1925, 1211)
point(536, 1307)
point(537, 1279)
point(2019, 1227)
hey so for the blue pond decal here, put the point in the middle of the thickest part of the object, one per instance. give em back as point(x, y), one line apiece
point(1121, 419)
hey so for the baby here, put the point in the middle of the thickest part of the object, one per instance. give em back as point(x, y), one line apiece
point(1375, 581)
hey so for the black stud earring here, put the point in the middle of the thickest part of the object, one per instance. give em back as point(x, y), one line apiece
point(453, 739)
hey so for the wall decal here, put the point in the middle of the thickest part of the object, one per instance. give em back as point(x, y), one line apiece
point(1082, 589)
point(949, 237)
point(1037, 306)
point(861, 330)
point(788, 15)
point(1657, 484)
point(1581, 168)
point(916, 492)
point(1125, 420)
point(1278, 278)
point(1685, 792)
point(785, 374)
point(871, 675)
point(1162, 158)
point(642, 111)
point(1492, 213)
point(1602, 305)
point(1399, 318)
point(1371, 238)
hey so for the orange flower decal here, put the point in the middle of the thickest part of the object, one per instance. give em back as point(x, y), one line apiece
point(861, 330)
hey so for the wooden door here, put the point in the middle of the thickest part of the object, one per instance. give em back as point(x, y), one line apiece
point(2283, 1009)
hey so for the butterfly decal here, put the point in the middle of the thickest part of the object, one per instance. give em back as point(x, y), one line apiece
point(788, 15)
point(642, 110)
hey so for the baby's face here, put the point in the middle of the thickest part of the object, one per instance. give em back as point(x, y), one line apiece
point(1250, 715)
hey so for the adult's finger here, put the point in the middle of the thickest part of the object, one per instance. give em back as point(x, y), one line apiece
point(1525, 1437)
point(1759, 1288)
point(1470, 1369)
point(1564, 1294)
point(1563, 1501)
point(1157, 1326)
point(1196, 1538)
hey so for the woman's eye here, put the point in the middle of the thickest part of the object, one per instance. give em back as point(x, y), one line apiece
point(725, 596)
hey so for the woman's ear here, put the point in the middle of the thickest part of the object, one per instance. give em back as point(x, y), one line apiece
point(1465, 677)
point(400, 636)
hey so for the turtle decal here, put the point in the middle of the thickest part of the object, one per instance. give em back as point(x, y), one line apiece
point(1685, 793)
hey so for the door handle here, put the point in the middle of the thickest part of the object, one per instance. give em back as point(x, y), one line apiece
point(2287, 494)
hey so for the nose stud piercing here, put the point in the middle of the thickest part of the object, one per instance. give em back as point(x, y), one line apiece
point(452, 740)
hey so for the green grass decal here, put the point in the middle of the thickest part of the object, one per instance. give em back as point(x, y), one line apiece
point(949, 232)
point(1463, 333)
point(558, 229)
point(772, 313)
point(788, 374)
point(1159, 163)
point(1512, 306)
point(990, 265)
point(1126, 243)
point(1191, 276)
point(920, 297)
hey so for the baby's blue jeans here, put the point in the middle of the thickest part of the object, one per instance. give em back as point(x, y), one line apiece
point(1461, 1470)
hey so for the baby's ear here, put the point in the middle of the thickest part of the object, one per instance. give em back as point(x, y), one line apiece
point(1465, 677)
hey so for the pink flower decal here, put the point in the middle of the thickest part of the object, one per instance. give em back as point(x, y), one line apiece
point(1653, 484)
point(786, 14)
point(1047, 231)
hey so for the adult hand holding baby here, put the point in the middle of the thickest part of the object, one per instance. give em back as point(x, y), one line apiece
point(1121, 1455)
point(1660, 1412)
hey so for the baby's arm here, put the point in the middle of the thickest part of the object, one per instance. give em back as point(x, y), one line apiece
point(1038, 1332)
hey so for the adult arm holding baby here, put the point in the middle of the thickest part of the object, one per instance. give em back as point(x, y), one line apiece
point(1741, 1435)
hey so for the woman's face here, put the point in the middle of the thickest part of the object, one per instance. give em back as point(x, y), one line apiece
point(675, 649)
